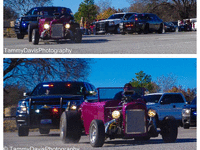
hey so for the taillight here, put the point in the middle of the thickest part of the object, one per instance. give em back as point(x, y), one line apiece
point(55, 110)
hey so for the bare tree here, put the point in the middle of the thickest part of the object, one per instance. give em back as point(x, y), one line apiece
point(166, 82)
point(29, 71)
point(104, 5)
point(23, 6)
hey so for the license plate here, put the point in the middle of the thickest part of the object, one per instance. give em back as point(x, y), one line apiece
point(46, 121)
point(128, 28)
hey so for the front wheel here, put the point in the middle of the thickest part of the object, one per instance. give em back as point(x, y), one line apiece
point(169, 129)
point(35, 37)
point(23, 131)
point(97, 133)
point(70, 127)
point(186, 126)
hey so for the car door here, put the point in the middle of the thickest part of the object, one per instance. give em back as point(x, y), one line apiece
point(178, 103)
point(165, 107)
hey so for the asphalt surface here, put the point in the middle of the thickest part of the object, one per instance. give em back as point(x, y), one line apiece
point(187, 140)
point(167, 43)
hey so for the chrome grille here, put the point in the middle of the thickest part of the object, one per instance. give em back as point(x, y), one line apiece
point(135, 121)
point(57, 31)
point(100, 26)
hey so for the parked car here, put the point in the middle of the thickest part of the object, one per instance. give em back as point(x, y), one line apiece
point(61, 26)
point(111, 25)
point(142, 23)
point(43, 107)
point(169, 27)
point(166, 104)
point(189, 114)
point(111, 117)
point(32, 16)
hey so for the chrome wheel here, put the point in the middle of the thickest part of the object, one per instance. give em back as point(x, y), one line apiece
point(93, 133)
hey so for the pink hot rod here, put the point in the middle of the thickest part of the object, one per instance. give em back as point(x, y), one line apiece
point(115, 115)
point(59, 26)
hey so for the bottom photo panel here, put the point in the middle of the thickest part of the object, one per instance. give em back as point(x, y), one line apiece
point(109, 103)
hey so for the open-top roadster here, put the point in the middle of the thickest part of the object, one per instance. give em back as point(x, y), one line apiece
point(115, 115)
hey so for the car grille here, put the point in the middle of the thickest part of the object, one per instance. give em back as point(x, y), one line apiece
point(135, 121)
point(101, 26)
point(57, 30)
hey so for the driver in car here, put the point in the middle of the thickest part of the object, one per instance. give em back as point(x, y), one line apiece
point(128, 92)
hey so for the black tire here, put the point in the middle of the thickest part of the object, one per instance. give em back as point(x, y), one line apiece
point(23, 131)
point(20, 36)
point(169, 129)
point(161, 29)
point(30, 31)
point(77, 36)
point(70, 127)
point(146, 29)
point(35, 36)
point(44, 131)
point(186, 126)
point(97, 133)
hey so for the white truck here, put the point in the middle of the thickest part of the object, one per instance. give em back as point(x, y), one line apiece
point(166, 104)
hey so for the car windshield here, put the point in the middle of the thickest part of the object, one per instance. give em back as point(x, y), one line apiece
point(108, 93)
point(62, 88)
point(116, 16)
point(152, 98)
point(194, 101)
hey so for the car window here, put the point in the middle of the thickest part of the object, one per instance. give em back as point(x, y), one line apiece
point(116, 16)
point(173, 98)
point(127, 16)
point(152, 98)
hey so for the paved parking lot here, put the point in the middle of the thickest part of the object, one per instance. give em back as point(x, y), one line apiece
point(168, 43)
point(187, 140)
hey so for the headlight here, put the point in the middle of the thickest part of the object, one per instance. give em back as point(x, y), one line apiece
point(116, 114)
point(21, 109)
point(67, 26)
point(186, 112)
point(151, 113)
point(73, 107)
point(46, 26)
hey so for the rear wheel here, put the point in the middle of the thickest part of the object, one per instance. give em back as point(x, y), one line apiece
point(70, 127)
point(169, 129)
point(35, 36)
point(146, 29)
point(44, 131)
point(23, 131)
point(20, 36)
point(97, 133)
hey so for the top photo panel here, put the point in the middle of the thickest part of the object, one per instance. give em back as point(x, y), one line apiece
point(100, 27)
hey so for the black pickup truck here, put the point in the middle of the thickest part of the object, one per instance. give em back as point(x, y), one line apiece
point(43, 107)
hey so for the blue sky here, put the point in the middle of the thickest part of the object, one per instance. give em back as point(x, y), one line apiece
point(115, 72)
point(74, 4)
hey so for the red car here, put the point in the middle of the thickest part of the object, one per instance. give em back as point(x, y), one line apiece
point(115, 116)
point(57, 27)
